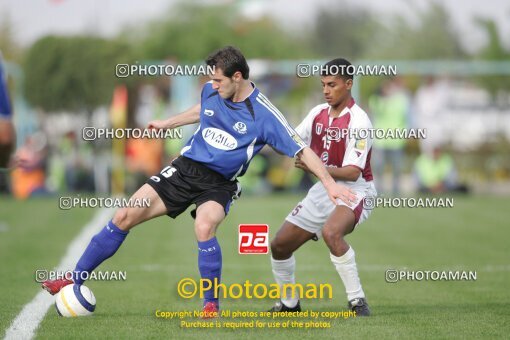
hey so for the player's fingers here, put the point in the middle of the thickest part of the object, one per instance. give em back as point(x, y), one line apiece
point(333, 199)
point(347, 196)
point(347, 193)
point(346, 200)
point(153, 125)
point(342, 198)
point(351, 195)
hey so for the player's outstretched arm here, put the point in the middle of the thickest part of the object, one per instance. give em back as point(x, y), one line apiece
point(335, 190)
point(190, 116)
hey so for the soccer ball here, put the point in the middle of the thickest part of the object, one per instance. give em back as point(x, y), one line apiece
point(75, 300)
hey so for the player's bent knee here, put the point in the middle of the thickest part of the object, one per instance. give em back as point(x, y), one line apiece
point(123, 219)
point(331, 235)
point(279, 251)
point(204, 231)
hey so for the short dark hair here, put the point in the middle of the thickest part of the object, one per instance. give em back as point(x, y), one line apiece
point(230, 60)
point(337, 67)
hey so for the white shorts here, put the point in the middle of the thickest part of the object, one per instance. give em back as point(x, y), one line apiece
point(312, 212)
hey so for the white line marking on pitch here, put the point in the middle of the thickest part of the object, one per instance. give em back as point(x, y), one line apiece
point(27, 321)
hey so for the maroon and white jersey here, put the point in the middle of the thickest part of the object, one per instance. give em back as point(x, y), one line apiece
point(333, 140)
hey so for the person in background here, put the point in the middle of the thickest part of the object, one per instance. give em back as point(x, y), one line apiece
point(7, 135)
point(436, 173)
point(29, 162)
point(390, 109)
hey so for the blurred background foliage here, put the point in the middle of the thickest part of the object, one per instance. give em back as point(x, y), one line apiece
point(76, 74)
point(64, 73)
point(72, 73)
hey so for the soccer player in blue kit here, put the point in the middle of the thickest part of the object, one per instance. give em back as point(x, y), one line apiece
point(236, 121)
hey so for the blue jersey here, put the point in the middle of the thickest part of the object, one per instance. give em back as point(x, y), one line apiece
point(231, 133)
point(5, 106)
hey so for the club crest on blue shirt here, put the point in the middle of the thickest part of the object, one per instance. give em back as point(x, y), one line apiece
point(240, 127)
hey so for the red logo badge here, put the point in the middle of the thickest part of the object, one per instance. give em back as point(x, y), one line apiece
point(253, 239)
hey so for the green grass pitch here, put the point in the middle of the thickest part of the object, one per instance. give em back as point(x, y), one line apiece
point(474, 236)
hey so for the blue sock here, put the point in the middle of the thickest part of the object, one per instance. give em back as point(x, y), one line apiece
point(102, 246)
point(209, 264)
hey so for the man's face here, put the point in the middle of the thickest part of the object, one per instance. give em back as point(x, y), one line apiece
point(225, 86)
point(335, 89)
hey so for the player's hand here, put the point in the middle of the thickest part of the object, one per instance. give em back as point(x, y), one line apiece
point(300, 165)
point(157, 124)
point(338, 191)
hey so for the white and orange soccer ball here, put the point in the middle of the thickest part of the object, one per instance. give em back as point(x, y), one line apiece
point(75, 300)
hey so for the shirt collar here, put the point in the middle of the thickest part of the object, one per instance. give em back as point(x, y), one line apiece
point(346, 109)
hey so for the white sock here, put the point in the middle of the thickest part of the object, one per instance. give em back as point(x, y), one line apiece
point(283, 271)
point(346, 267)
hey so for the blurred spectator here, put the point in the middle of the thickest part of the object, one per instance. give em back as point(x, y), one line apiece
point(78, 164)
point(429, 102)
point(70, 166)
point(390, 109)
point(435, 173)
point(7, 136)
point(143, 159)
point(28, 177)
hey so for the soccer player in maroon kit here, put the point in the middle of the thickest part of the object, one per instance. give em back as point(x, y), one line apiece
point(330, 130)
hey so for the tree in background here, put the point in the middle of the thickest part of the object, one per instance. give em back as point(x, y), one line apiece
point(344, 31)
point(10, 49)
point(190, 32)
point(429, 35)
point(72, 73)
point(358, 33)
point(494, 51)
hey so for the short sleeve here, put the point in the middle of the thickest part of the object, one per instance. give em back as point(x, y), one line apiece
point(304, 129)
point(357, 149)
point(277, 132)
